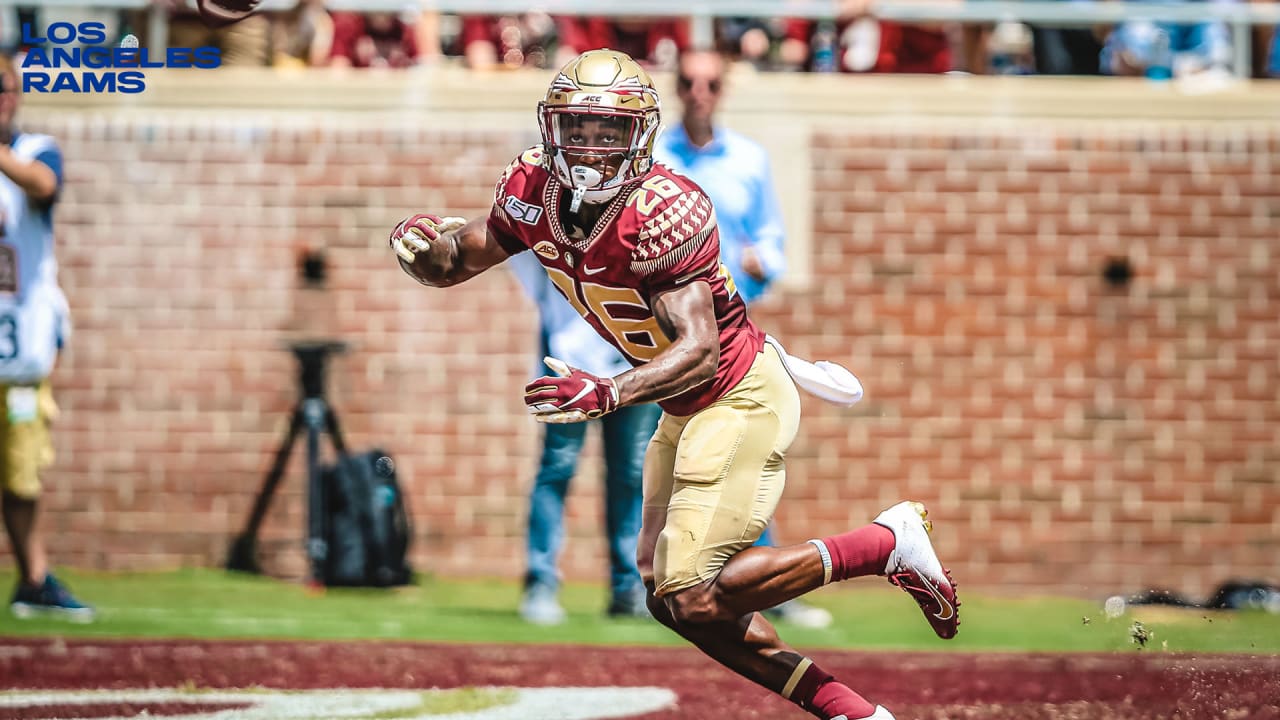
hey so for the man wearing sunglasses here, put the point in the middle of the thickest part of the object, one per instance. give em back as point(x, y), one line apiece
point(734, 172)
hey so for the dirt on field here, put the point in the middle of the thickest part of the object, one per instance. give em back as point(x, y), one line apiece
point(925, 686)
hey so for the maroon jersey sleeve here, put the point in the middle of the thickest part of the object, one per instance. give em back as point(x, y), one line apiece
point(514, 198)
point(677, 243)
point(674, 241)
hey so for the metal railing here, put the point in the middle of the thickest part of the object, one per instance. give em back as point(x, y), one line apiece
point(1240, 17)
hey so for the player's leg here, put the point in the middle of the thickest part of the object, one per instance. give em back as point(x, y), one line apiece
point(896, 545)
point(626, 435)
point(28, 449)
point(659, 460)
point(689, 509)
point(561, 445)
point(20, 514)
point(21, 483)
point(721, 501)
point(795, 611)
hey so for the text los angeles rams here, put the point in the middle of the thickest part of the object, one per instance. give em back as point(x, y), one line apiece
point(70, 58)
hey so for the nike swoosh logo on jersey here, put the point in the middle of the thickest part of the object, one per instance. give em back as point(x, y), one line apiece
point(593, 271)
point(588, 386)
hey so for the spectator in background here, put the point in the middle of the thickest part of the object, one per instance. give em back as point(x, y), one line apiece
point(626, 432)
point(302, 36)
point(532, 39)
point(734, 172)
point(1162, 49)
point(384, 39)
point(243, 43)
point(856, 41)
point(33, 326)
point(1266, 47)
point(1067, 50)
point(1009, 50)
point(653, 43)
point(761, 43)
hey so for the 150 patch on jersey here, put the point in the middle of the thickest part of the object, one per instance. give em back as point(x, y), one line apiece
point(521, 210)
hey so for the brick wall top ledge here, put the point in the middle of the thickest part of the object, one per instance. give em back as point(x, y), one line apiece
point(452, 90)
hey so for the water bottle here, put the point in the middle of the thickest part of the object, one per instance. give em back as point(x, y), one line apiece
point(1160, 66)
point(824, 47)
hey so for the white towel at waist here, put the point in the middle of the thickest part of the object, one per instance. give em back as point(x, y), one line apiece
point(827, 380)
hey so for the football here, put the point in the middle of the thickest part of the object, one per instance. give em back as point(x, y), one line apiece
point(224, 12)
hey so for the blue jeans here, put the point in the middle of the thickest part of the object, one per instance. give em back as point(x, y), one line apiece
point(626, 435)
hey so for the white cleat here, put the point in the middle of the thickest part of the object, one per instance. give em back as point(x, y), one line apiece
point(914, 566)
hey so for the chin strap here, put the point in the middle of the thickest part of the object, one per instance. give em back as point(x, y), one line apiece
point(575, 201)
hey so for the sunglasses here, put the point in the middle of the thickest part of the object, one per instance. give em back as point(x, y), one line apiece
point(686, 83)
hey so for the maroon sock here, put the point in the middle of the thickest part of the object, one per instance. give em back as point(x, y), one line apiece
point(835, 698)
point(823, 696)
point(864, 551)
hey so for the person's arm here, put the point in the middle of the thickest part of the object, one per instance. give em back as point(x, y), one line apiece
point(321, 39)
point(426, 35)
point(442, 252)
point(764, 258)
point(38, 178)
point(687, 316)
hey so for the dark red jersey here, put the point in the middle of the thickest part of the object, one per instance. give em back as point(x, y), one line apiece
point(657, 234)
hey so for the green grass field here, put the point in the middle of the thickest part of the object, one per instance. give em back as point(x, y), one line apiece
point(206, 603)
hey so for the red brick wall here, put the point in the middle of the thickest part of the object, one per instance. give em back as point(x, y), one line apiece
point(1068, 435)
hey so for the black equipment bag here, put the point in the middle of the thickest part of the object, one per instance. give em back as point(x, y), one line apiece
point(366, 525)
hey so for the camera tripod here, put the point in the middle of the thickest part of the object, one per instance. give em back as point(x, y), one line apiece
point(314, 414)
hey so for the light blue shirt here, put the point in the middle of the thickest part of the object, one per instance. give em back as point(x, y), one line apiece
point(734, 172)
point(564, 334)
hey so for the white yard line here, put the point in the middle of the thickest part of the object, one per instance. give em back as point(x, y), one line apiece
point(597, 703)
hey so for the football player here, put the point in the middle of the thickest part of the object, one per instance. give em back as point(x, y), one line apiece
point(634, 248)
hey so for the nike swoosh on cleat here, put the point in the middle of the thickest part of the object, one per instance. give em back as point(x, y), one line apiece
point(947, 611)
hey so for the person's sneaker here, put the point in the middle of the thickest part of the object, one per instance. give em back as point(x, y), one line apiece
point(539, 606)
point(49, 598)
point(801, 614)
point(914, 567)
point(629, 605)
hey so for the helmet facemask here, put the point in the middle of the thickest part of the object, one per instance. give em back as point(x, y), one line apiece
point(595, 150)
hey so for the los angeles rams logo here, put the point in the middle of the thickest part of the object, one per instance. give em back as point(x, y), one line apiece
point(546, 250)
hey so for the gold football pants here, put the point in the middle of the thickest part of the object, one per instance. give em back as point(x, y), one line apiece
point(716, 476)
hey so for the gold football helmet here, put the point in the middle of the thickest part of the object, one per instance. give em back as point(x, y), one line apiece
point(599, 121)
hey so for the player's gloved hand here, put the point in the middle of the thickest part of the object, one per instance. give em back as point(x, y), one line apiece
point(415, 234)
point(574, 396)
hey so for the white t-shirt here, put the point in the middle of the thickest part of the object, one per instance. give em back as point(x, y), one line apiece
point(34, 317)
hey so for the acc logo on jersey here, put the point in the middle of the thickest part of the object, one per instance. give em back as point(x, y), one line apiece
point(521, 210)
point(546, 250)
